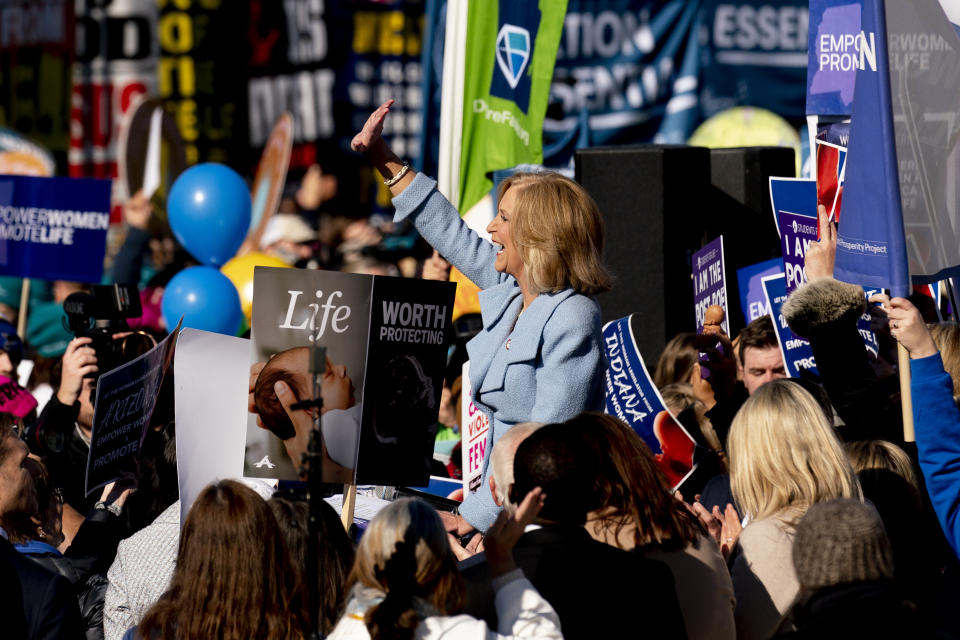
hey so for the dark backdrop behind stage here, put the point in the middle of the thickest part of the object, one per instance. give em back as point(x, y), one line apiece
point(661, 203)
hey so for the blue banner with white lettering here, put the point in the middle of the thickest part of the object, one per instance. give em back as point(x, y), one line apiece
point(53, 228)
point(871, 250)
point(632, 397)
point(796, 351)
point(755, 54)
point(753, 301)
point(834, 53)
point(626, 71)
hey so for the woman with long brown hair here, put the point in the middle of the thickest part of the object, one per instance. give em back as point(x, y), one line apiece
point(639, 513)
point(233, 578)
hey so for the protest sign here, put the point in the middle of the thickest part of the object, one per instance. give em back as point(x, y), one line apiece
point(386, 343)
point(831, 162)
point(632, 397)
point(53, 228)
point(796, 234)
point(710, 283)
point(753, 301)
point(474, 441)
point(797, 354)
point(123, 407)
point(833, 55)
point(797, 195)
point(209, 416)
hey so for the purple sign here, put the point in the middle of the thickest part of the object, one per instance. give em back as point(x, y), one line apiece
point(710, 283)
point(833, 55)
point(796, 234)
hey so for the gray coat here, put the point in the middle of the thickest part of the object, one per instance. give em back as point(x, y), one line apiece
point(546, 365)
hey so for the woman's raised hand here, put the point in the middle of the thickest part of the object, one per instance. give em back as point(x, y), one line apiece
point(906, 325)
point(372, 129)
point(509, 526)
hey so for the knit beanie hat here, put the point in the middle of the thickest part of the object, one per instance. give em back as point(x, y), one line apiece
point(841, 541)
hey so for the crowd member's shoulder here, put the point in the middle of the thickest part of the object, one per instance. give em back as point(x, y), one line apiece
point(49, 600)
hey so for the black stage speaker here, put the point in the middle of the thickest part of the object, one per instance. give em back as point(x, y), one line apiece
point(742, 213)
point(654, 201)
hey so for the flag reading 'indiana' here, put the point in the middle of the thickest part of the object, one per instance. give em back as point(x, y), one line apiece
point(510, 53)
point(901, 195)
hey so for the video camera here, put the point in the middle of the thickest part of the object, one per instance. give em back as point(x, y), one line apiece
point(102, 313)
point(99, 315)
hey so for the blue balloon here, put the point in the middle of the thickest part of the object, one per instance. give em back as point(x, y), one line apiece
point(209, 212)
point(205, 298)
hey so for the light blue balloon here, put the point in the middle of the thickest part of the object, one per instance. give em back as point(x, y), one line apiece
point(205, 298)
point(209, 212)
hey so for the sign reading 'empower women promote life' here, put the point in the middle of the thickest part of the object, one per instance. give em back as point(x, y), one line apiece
point(53, 228)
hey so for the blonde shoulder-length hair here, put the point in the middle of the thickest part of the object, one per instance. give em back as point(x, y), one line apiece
point(784, 456)
point(558, 232)
point(404, 553)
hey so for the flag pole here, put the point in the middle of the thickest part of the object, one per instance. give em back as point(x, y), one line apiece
point(24, 310)
point(906, 400)
point(953, 300)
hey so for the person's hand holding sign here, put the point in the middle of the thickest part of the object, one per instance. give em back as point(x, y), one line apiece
point(818, 262)
point(906, 325)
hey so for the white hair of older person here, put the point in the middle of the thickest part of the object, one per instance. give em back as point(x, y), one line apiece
point(501, 459)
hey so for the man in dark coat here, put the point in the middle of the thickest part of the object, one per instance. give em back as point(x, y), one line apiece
point(37, 604)
point(597, 590)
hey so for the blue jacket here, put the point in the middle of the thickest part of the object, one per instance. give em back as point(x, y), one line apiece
point(545, 365)
point(936, 421)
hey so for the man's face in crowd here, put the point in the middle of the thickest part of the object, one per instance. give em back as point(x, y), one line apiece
point(17, 493)
point(761, 366)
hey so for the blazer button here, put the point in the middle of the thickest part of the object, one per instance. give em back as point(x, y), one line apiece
point(508, 344)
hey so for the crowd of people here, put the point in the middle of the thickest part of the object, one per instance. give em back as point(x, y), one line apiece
point(808, 515)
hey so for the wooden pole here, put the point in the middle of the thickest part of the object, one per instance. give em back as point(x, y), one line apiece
point(906, 400)
point(22, 315)
point(349, 503)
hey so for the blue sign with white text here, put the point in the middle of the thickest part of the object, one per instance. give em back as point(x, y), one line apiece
point(631, 394)
point(753, 301)
point(796, 351)
point(53, 228)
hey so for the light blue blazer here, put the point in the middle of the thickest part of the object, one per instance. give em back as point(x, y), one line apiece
point(546, 365)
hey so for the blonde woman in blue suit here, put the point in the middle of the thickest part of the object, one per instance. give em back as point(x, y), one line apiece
point(539, 356)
